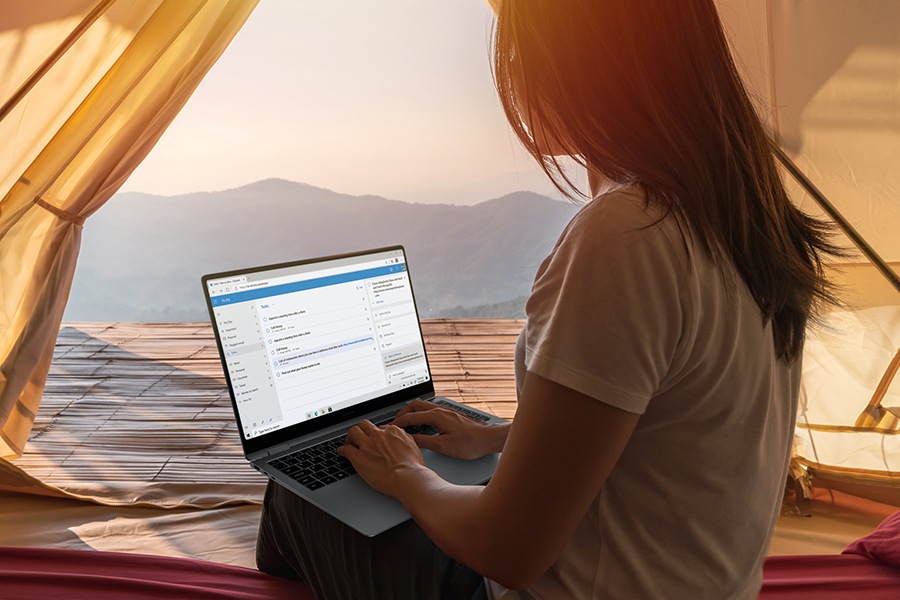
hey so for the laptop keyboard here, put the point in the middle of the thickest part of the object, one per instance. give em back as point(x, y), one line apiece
point(463, 410)
point(320, 465)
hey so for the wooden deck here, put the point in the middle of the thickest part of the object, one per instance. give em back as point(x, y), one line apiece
point(147, 402)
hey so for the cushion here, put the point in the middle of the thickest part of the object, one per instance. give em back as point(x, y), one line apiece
point(883, 544)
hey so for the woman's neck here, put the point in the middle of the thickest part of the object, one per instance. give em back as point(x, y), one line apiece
point(599, 184)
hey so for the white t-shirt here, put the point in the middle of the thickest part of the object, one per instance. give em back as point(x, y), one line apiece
point(625, 312)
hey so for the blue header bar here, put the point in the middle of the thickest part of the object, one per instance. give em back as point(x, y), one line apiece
point(290, 288)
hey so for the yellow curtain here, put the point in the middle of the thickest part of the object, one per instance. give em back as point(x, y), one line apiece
point(88, 87)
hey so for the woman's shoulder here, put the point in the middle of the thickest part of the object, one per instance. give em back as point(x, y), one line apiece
point(627, 215)
point(624, 206)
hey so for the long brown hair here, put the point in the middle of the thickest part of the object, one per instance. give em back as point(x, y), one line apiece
point(646, 91)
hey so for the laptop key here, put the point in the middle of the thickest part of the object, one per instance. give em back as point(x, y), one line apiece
point(320, 465)
point(421, 430)
point(316, 466)
point(463, 411)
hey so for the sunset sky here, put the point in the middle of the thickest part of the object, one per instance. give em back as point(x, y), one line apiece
point(390, 98)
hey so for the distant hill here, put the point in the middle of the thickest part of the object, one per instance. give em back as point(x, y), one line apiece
point(142, 255)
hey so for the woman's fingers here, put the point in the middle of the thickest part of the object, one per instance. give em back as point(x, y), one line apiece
point(348, 451)
point(417, 418)
point(360, 431)
point(415, 406)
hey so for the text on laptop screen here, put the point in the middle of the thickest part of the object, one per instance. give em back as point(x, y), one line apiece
point(310, 339)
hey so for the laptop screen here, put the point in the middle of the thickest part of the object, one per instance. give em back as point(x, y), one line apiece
point(303, 341)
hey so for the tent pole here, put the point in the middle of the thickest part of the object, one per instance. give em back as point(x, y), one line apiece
point(836, 216)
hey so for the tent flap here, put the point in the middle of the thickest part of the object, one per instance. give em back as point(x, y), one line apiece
point(86, 120)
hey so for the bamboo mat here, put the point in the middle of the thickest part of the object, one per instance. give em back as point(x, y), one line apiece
point(138, 413)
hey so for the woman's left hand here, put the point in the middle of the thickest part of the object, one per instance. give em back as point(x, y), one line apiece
point(382, 456)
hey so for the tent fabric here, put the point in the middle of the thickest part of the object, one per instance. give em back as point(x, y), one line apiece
point(842, 365)
point(76, 121)
point(826, 75)
point(826, 78)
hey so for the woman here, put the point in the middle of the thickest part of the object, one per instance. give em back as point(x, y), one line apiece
point(658, 372)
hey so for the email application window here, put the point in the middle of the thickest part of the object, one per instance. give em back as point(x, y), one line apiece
point(300, 345)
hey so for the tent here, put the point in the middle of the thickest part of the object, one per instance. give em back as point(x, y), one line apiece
point(90, 86)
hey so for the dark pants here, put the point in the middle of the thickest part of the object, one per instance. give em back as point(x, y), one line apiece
point(299, 541)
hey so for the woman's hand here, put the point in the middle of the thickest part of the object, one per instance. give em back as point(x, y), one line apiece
point(458, 436)
point(382, 456)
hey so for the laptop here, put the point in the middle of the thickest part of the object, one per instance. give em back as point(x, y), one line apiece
point(310, 348)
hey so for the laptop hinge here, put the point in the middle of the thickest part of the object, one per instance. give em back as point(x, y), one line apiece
point(279, 448)
point(427, 397)
point(257, 455)
point(272, 451)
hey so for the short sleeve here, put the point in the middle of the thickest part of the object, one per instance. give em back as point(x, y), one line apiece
point(606, 311)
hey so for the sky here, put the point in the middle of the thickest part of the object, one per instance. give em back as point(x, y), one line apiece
point(389, 98)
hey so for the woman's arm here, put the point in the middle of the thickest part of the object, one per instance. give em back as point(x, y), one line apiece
point(560, 450)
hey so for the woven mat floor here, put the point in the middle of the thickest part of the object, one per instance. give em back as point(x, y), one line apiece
point(137, 404)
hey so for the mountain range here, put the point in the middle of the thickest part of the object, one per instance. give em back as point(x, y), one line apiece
point(142, 255)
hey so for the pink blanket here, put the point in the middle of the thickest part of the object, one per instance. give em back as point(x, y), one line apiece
point(47, 573)
point(829, 577)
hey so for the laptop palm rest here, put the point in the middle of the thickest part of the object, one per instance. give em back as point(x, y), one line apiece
point(370, 512)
